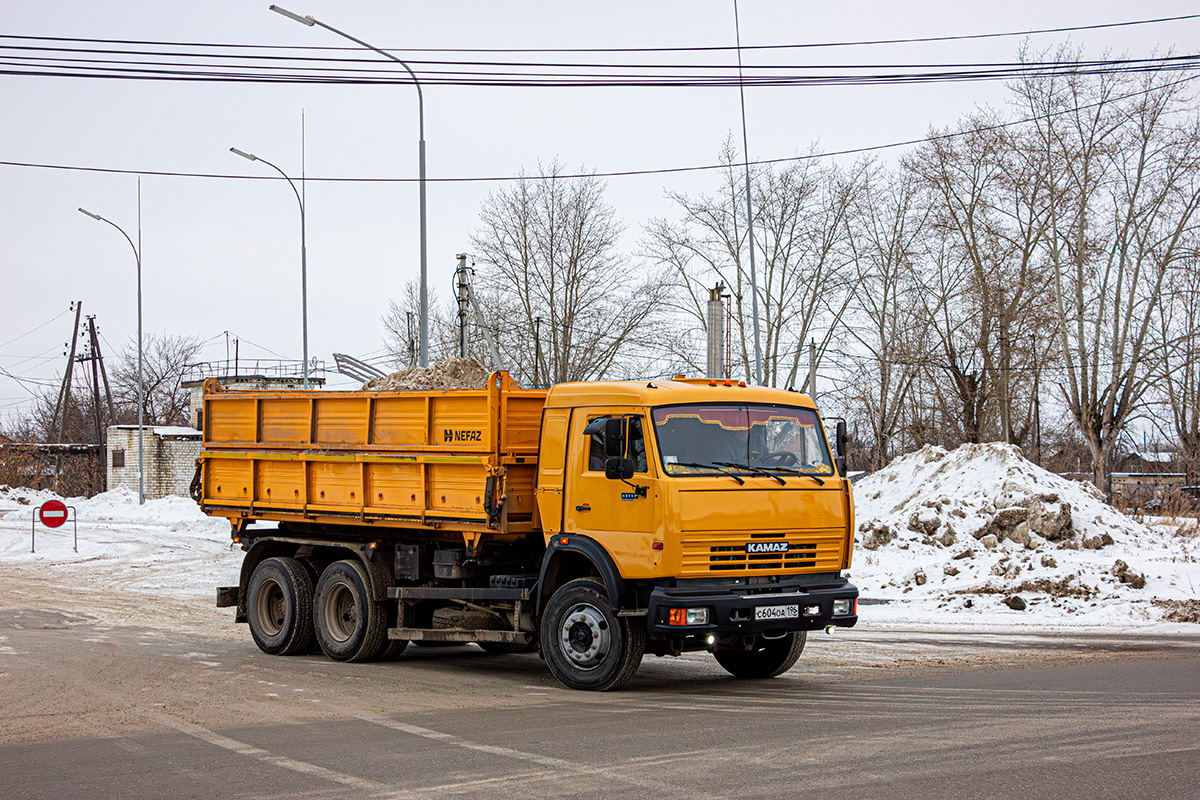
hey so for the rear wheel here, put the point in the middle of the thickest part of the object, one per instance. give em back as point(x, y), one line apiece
point(392, 650)
point(587, 646)
point(279, 607)
point(350, 625)
point(766, 659)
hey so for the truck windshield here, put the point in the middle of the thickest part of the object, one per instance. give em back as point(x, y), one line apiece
point(755, 437)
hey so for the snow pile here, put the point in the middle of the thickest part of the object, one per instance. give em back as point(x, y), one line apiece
point(166, 546)
point(450, 373)
point(982, 532)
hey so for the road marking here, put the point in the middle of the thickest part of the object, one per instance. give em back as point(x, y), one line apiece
point(550, 762)
point(295, 765)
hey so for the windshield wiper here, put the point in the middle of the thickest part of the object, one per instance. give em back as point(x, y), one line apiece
point(800, 472)
point(759, 470)
point(708, 466)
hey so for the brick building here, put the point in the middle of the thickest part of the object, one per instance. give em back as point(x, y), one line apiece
point(170, 454)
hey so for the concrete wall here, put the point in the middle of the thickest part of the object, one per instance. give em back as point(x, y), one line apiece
point(170, 459)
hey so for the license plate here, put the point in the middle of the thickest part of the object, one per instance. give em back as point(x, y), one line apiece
point(776, 612)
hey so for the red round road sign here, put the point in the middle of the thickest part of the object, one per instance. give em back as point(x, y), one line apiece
point(53, 513)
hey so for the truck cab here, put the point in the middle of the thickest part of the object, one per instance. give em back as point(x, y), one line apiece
point(714, 512)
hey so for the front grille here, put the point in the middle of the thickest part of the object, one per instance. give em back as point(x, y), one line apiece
point(808, 551)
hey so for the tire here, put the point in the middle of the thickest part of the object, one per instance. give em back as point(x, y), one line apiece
point(313, 568)
point(767, 659)
point(504, 648)
point(392, 650)
point(279, 607)
point(586, 645)
point(350, 625)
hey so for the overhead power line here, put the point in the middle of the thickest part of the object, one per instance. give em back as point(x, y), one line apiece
point(167, 67)
point(695, 49)
point(628, 173)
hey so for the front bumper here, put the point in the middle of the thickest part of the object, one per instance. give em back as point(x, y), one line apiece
point(732, 609)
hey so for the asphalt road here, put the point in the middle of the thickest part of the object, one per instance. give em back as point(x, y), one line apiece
point(89, 709)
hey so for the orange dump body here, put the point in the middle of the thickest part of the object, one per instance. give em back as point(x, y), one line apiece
point(440, 460)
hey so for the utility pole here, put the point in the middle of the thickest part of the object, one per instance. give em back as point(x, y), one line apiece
point(462, 288)
point(812, 369)
point(93, 356)
point(488, 335)
point(537, 350)
point(729, 331)
point(112, 411)
point(64, 392)
point(64, 398)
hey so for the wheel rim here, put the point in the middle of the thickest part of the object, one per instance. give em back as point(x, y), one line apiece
point(585, 637)
point(341, 613)
point(270, 607)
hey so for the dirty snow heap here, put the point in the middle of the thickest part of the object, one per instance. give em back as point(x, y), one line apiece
point(451, 373)
point(982, 531)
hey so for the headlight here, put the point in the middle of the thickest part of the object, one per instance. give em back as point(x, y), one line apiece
point(844, 608)
point(687, 616)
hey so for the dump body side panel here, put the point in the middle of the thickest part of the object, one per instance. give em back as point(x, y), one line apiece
point(388, 458)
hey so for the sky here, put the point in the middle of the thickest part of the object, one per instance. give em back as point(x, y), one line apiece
point(221, 256)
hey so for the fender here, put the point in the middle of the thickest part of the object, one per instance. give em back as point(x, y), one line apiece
point(619, 592)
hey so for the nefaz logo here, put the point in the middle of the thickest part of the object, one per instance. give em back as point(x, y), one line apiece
point(461, 436)
point(766, 547)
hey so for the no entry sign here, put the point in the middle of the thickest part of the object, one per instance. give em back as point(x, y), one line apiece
point(53, 513)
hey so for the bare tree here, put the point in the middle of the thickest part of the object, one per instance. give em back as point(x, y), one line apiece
point(401, 325)
point(800, 227)
point(570, 302)
point(1179, 379)
point(885, 240)
point(986, 190)
point(164, 358)
point(1121, 171)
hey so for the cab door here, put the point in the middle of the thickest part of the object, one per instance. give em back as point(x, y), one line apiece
point(618, 515)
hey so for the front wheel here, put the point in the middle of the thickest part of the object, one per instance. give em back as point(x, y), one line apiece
point(767, 658)
point(587, 646)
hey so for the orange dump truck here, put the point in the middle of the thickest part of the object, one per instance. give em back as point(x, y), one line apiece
point(594, 522)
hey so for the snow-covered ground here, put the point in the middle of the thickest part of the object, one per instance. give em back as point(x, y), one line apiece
point(962, 538)
point(163, 547)
point(980, 535)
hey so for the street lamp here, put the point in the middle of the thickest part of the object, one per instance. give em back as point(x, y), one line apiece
point(423, 357)
point(303, 254)
point(141, 404)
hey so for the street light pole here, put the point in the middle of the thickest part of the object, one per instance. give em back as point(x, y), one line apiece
point(303, 253)
point(141, 404)
point(423, 357)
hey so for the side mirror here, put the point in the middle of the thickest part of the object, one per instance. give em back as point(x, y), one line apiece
point(614, 440)
point(618, 469)
point(840, 444)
